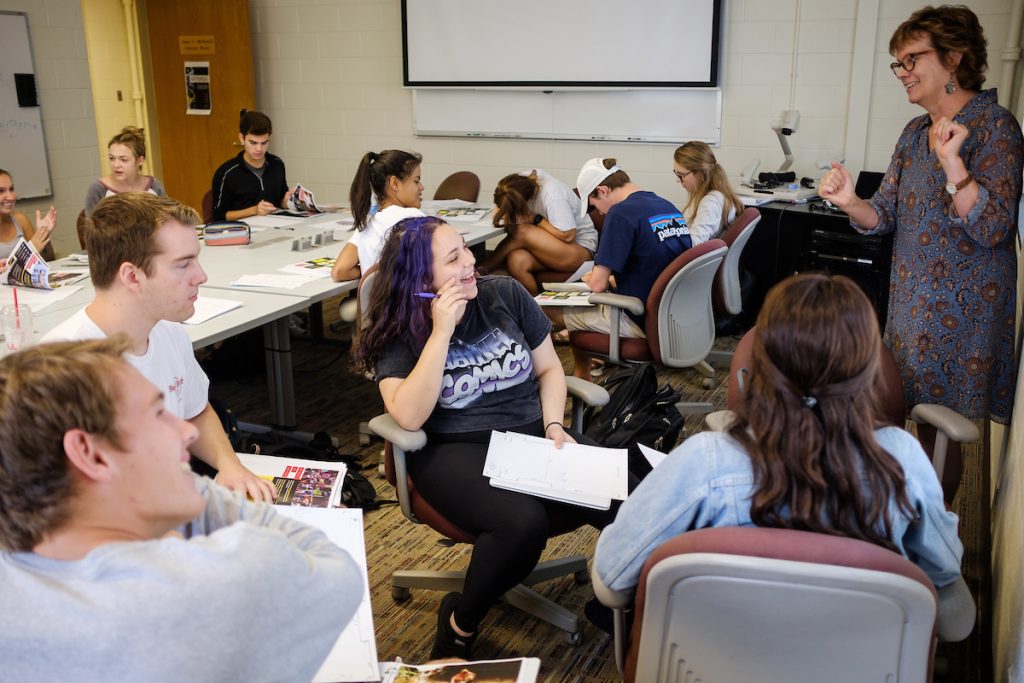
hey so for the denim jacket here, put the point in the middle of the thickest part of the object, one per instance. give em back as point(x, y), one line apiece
point(707, 481)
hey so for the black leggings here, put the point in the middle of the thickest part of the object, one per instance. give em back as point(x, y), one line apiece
point(511, 528)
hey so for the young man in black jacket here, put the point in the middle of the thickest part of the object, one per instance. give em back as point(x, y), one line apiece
point(252, 183)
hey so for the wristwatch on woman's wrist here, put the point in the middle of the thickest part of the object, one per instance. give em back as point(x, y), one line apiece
point(953, 188)
point(537, 218)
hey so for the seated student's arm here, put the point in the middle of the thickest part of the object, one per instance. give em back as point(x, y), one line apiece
point(931, 542)
point(346, 266)
point(669, 502)
point(707, 221)
point(410, 400)
point(93, 195)
point(598, 279)
point(551, 377)
point(263, 208)
point(560, 221)
point(213, 448)
point(42, 233)
point(287, 195)
point(247, 575)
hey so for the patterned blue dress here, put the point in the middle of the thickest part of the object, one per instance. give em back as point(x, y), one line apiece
point(952, 295)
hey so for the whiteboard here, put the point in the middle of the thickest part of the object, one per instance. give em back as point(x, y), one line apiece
point(22, 144)
point(608, 43)
point(671, 116)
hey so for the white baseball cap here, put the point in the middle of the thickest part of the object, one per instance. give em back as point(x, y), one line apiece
point(591, 175)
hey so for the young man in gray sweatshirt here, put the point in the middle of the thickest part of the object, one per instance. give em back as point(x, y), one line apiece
point(119, 564)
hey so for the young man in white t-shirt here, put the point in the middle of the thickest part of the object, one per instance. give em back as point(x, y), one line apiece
point(144, 263)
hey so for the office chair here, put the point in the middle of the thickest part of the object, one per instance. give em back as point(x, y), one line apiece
point(463, 185)
point(949, 424)
point(727, 299)
point(80, 227)
point(680, 326)
point(778, 605)
point(417, 510)
point(207, 206)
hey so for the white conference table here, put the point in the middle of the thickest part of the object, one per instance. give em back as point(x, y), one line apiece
point(264, 307)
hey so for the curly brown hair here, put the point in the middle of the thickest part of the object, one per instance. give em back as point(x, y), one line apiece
point(808, 417)
point(45, 391)
point(952, 29)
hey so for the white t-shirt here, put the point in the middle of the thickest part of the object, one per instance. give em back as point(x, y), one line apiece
point(169, 363)
point(559, 204)
point(370, 240)
point(706, 222)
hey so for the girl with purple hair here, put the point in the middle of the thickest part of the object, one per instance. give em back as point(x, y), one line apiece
point(459, 356)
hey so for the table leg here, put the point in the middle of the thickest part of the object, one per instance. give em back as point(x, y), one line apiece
point(277, 346)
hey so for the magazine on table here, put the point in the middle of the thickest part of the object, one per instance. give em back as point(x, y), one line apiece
point(521, 670)
point(301, 203)
point(305, 483)
point(26, 268)
point(313, 268)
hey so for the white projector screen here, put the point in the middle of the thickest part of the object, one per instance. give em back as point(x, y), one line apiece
point(550, 44)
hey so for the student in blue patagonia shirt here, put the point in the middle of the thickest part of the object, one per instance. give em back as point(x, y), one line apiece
point(458, 356)
point(806, 451)
point(642, 234)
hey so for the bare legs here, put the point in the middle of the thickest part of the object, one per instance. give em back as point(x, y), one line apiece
point(529, 249)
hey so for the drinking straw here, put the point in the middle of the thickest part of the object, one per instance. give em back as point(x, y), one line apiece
point(17, 313)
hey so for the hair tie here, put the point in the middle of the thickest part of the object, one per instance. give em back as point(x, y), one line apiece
point(809, 401)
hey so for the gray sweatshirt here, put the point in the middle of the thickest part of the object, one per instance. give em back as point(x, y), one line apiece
point(250, 596)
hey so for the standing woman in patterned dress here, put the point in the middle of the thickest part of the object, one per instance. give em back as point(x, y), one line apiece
point(951, 195)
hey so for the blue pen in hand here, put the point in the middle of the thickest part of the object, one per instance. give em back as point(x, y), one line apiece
point(426, 295)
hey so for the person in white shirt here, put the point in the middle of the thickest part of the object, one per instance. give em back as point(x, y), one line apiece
point(711, 203)
point(119, 564)
point(546, 229)
point(393, 178)
point(144, 264)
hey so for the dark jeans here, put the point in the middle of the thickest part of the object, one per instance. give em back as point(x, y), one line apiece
point(511, 528)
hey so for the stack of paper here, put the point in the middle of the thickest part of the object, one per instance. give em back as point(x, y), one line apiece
point(582, 475)
point(208, 307)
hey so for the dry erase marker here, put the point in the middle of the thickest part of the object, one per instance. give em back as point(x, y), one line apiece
point(426, 295)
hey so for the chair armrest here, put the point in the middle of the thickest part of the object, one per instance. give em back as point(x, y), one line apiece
point(386, 428)
point(630, 303)
point(957, 427)
point(588, 392)
point(720, 420)
point(956, 612)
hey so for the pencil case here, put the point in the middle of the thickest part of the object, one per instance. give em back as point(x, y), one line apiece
point(226, 233)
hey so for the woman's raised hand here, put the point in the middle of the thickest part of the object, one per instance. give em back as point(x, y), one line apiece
point(837, 186)
point(949, 136)
point(446, 310)
point(45, 226)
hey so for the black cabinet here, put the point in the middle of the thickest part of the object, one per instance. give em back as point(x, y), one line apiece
point(793, 238)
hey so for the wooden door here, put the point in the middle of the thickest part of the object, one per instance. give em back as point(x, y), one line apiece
point(193, 146)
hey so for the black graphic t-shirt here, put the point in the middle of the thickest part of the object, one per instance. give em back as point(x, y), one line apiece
point(489, 381)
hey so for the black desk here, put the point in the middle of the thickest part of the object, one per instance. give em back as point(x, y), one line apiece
point(792, 238)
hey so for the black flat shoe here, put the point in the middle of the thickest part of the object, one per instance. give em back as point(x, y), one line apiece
point(448, 643)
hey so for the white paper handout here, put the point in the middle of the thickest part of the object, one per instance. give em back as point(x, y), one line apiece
point(654, 457)
point(208, 307)
point(354, 655)
point(278, 281)
point(36, 299)
point(583, 475)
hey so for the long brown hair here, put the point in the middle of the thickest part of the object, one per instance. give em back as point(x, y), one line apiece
point(372, 176)
point(698, 158)
point(512, 198)
point(807, 419)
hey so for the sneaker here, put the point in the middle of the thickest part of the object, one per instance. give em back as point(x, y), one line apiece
point(448, 643)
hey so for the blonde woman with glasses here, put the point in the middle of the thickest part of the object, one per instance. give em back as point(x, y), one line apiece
point(711, 203)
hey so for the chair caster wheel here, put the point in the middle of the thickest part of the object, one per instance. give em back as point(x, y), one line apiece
point(581, 577)
point(572, 638)
point(399, 594)
point(708, 383)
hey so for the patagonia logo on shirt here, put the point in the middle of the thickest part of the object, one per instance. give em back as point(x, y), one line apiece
point(493, 363)
point(668, 225)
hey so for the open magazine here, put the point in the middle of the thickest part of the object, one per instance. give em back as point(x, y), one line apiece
point(26, 268)
point(301, 203)
point(522, 670)
point(306, 483)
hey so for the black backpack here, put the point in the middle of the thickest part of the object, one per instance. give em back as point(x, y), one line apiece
point(638, 412)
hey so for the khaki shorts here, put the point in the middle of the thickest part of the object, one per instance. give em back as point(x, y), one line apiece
point(599, 319)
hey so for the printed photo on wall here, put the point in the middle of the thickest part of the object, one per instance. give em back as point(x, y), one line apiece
point(197, 88)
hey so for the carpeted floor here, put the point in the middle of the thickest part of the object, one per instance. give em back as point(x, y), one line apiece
point(331, 398)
